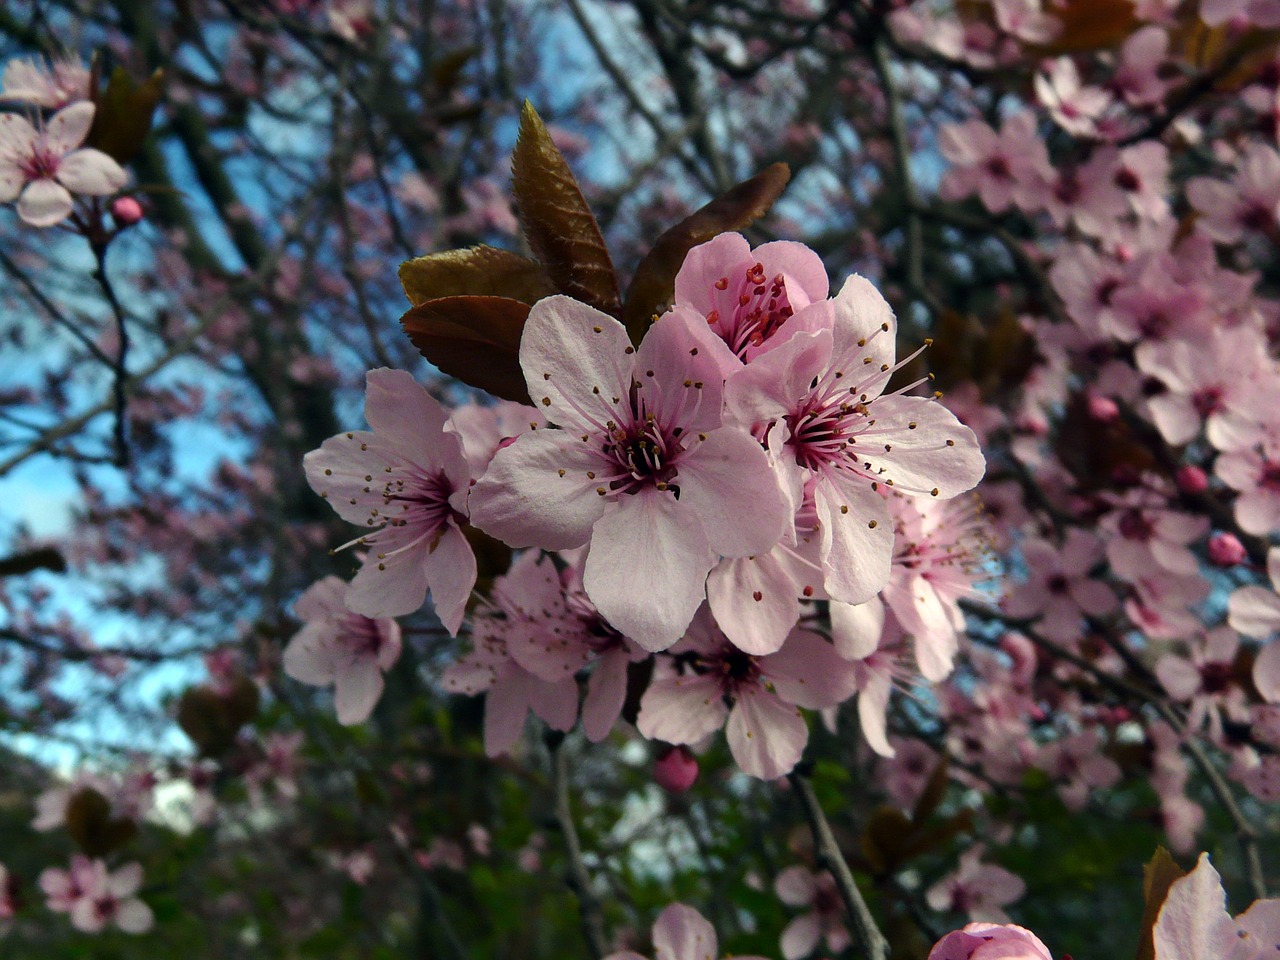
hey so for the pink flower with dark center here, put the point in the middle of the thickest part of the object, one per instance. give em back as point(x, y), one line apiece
point(642, 469)
point(336, 646)
point(1137, 74)
point(42, 168)
point(1250, 203)
point(1076, 108)
point(1206, 679)
point(705, 682)
point(750, 298)
point(1078, 760)
point(95, 898)
point(801, 887)
point(407, 482)
point(817, 402)
point(1254, 471)
point(977, 889)
point(1143, 534)
point(1059, 588)
point(1005, 168)
point(525, 610)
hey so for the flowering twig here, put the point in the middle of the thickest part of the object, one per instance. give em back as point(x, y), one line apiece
point(871, 942)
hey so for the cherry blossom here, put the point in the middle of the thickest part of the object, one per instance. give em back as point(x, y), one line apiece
point(680, 933)
point(1250, 202)
point(336, 646)
point(976, 888)
point(817, 401)
point(96, 898)
point(407, 480)
point(1060, 589)
point(801, 887)
point(1006, 168)
point(638, 428)
point(1074, 107)
point(41, 168)
point(704, 683)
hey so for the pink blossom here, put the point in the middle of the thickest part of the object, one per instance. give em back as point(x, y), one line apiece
point(52, 85)
point(642, 470)
point(1205, 679)
point(1026, 20)
point(817, 402)
point(1078, 759)
point(1193, 923)
point(801, 887)
point(485, 429)
point(407, 482)
point(1255, 611)
point(750, 297)
point(1060, 589)
point(276, 766)
point(675, 770)
point(1009, 167)
point(41, 168)
point(1254, 471)
point(1143, 534)
point(705, 683)
point(1251, 202)
point(905, 773)
point(976, 888)
point(680, 933)
point(990, 941)
point(526, 610)
point(1074, 107)
point(336, 646)
point(95, 898)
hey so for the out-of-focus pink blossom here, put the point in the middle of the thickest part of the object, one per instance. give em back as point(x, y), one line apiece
point(976, 888)
point(801, 887)
point(680, 933)
point(990, 941)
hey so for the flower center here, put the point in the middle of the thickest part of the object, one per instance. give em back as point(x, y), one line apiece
point(40, 164)
point(1135, 526)
point(645, 455)
point(754, 314)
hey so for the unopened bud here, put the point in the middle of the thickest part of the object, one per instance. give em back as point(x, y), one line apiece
point(1103, 409)
point(126, 211)
point(1192, 480)
point(1226, 550)
point(676, 770)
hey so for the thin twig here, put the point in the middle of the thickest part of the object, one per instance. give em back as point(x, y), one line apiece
point(870, 941)
point(119, 390)
point(578, 879)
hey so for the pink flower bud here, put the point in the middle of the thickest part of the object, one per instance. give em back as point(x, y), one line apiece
point(1103, 409)
point(1192, 480)
point(676, 770)
point(126, 211)
point(978, 941)
point(1226, 550)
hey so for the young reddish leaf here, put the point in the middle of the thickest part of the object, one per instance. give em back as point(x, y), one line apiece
point(884, 838)
point(212, 718)
point(475, 271)
point(475, 339)
point(557, 222)
point(1157, 877)
point(651, 288)
point(91, 826)
point(1092, 25)
point(125, 111)
point(932, 794)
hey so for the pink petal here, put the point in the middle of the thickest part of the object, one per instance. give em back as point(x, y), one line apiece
point(873, 708)
point(921, 459)
point(555, 703)
point(505, 709)
point(125, 881)
point(134, 916)
point(800, 936)
point(766, 736)
point(450, 569)
point(44, 203)
point(606, 693)
point(91, 172)
point(704, 265)
point(536, 492)
point(312, 655)
point(17, 136)
point(567, 363)
point(647, 567)
point(796, 886)
point(357, 687)
point(809, 673)
point(1194, 924)
point(728, 483)
point(394, 584)
point(1266, 673)
point(681, 709)
point(856, 629)
point(754, 602)
point(408, 419)
point(681, 933)
point(856, 532)
point(1254, 611)
point(324, 598)
point(68, 127)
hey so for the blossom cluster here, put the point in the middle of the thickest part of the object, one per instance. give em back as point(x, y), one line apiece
point(692, 499)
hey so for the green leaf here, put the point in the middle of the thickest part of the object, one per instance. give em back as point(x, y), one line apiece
point(475, 271)
point(651, 288)
point(125, 111)
point(557, 222)
point(475, 339)
point(1157, 877)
